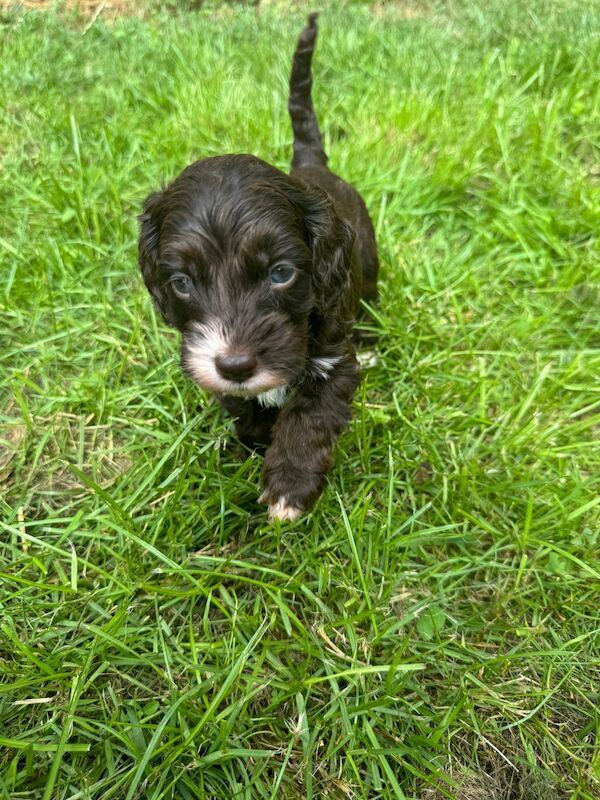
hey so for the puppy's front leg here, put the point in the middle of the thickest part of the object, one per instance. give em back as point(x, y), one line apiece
point(253, 423)
point(305, 434)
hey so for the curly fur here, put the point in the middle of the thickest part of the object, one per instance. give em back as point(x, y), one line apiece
point(278, 355)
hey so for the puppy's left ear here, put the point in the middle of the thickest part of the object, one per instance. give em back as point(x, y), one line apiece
point(148, 250)
point(332, 241)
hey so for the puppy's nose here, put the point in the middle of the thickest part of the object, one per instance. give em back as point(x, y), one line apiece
point(238, 367)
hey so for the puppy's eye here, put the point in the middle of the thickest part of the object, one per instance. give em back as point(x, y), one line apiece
point(282, 274)
point(182, 284)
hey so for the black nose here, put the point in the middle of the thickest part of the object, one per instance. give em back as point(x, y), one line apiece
point(238, 367)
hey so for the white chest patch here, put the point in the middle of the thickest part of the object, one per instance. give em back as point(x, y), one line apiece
point(322, 367)
point(273, 397)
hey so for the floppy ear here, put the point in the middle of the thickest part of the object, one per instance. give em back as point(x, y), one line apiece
point(331, 241)
point(148, 249)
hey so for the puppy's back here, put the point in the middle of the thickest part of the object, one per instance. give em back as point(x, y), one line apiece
point(309, 161)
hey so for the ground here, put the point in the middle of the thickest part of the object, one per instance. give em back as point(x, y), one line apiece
point(431, 630)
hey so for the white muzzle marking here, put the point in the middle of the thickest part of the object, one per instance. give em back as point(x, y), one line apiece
point(203, 344)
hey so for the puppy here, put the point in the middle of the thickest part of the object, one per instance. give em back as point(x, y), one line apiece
point(262, 273)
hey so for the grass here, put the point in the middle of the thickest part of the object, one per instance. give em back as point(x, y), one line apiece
point(432, 629)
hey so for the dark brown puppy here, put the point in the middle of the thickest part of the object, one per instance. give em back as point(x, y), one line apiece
point(262, 273)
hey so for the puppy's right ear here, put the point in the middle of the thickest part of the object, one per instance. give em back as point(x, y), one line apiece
point(148, 249)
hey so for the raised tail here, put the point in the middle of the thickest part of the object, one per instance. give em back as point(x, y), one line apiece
point(308, 143)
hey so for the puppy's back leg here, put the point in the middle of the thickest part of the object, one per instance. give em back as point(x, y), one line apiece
point(370, 266)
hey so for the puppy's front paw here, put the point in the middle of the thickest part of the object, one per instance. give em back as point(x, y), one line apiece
point(281, 508)
point(289, 491)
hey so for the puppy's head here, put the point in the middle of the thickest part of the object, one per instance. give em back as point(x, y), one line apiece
point(242, 259)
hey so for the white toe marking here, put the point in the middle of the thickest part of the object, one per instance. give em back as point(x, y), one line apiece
point(281, 510)
point(367, 358)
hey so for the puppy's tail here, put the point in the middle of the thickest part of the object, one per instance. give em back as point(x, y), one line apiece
point(308, 143)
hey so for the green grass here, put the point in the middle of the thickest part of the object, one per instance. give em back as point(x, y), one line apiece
point(432, 629)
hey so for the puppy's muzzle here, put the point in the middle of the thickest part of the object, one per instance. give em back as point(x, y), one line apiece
point(237, 367)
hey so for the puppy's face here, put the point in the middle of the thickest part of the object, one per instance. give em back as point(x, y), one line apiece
point(240, 291)
point(228, 253)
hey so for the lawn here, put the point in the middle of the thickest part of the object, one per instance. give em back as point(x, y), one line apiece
point(432, 629)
